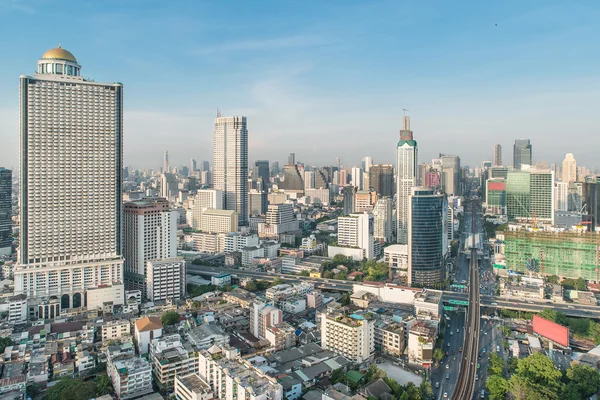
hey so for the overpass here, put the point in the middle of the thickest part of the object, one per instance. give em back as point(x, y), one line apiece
point(461, 299)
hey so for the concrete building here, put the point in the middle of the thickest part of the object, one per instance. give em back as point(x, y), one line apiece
point(428, 305)
point(205, 242)
point(383, 214)
point(263, 316)
point(406, 178)
point(529, 195)
point(396, 257)
point(170, 356)
point(131, 376)
point(569, 169)
point(364, 200)
point(235, 241)
point(192, 387)
point(390, 338)
point(498, 155)
point(351, 336)
point(115, 329)
point(561, 196)
point(495, 196)
point(349, 204)
point(5, 211)
point(17, 309)
point(166, 279)
point(219, 221)
point(169, 186)
point(230, 164)
point(147, 329)
point(228, 375)
point(451, 174)
point(293, 181)
point(205, 199)
point(428, 244)
point(381, 179)
point(355, 237)
point(318, 196)
point(70, 206)
point(221, 280)
point(150, 228)
point(96, 298)
point(356, 178)
point(280, 219)
point(205, 335)
point(522, 153)
point(281, 336)
point(421, 342)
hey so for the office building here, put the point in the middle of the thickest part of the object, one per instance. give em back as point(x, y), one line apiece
point(170, 356)
point(219, 221)
point(292, 179)
point(5, 211)
point(530, 195)
point(497, 155)
point(275, 168)
point(257, 202)
point(309, 180)
point(364, 200)
point(150, 233)
point(522, 153)
point(228, 376)
point(165, 167)
point(321, 179)
point(292, 159)
point(352, 336)
point(280, 219)
point(205, 199)
point(591, 198)
point(569, 169)
point(230, 164)
point(261, 171)
point(70, 206)
point(498, 172)
point(561, 196)
point(406, 178)
point(381, 179)
point(451, 175)
point(357, 178)
point(355, 237)
point(367, 162)
point(383, 220)
point(318, 196)
point(495, 196)
point(169, 186)
point(193, 166)
point(349, 192)
point(165, 279)
point(428, 237)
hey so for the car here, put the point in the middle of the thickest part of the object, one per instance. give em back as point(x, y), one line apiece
point(482, 394)
point(497, 349)
point(447, 344)
point(460, 349)
point(457, 330)
point(447, 376)
point(484, 349)
point(515, 304)
point(570, 307)
point(451, 333)
point(447, 354)
point(437, 385)
point(447, 366)
point(485, 333)
point(452, 353)
point(445, 395)
point(476, 377)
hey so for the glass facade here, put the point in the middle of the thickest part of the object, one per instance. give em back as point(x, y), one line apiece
point(496, 196)
point(5, 207)
point(517, 195)
point(521, 153)
point(427, 246)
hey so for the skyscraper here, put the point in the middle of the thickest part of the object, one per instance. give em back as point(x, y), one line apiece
point(193, 165)
point(292, 159)
point(261, 171)
point(71, 178)
point(407, 158)
point(5, 211)
point(357, 175)
point(230, 164)
point(522, 153)
point(569, 168)
point(275, 168)
point(381, 179)
point(366, 163)
point(451, 174)
point(497, 154)
point(530, 194)
point(165, 168)
point(382, 215)
point(428, 236)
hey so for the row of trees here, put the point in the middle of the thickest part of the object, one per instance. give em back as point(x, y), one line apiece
point(582, 328)
point(76, 389)
point(568, 283)
point(536, 377)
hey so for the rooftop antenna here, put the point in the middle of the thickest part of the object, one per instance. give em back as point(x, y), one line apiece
point(406, 120)
point(218, 113)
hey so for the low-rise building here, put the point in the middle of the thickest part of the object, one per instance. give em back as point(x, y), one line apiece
point(428, 304)
point(389, 338)
point(352, 336)
point(192, 387)
point(17, 309)
point(396, 257)
point(314, 299)
point(293, 305)
point(281, 336)
point(171, 356)
point(115, 329)
point(206, 335)
point(221, 280)
point(131, 376)
point(146, 330)
point(421, 342)
point(84, 361)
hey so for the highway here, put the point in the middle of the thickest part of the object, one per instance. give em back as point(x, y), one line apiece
point(466, 377)
point(518, 304)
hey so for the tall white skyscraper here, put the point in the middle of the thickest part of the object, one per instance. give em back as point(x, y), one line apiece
point(569, 168)
point(382, 213)
point(206, 199)
point(230, 164)
point(406, 178)
point(357, 178)
point(366, 163)
point(166, 163)
point(71, 176)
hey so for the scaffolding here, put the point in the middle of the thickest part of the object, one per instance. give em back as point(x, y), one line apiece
point(565, 254)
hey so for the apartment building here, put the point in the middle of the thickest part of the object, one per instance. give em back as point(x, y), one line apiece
point(192, 387)
point(170, 356)
point(115, 329)
point(165, 279)
point(351, 336)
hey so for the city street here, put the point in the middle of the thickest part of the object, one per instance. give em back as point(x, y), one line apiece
point(450, 364)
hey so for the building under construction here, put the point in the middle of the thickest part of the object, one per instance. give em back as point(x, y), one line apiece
point(566, 254)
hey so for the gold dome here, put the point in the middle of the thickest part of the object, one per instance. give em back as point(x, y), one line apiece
point(59, 53)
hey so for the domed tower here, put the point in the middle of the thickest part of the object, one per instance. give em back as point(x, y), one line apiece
point(58, 61)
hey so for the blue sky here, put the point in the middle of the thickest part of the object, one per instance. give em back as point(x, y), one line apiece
point(325, 78)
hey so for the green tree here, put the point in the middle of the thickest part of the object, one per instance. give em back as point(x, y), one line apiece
point(304, 273)
point(198, 290)
point(497, 386)
point(5, 342)
point(338, 376)
point(103, 385)
point(518, 387)
point(585, 378)
point(539, 369)
point(552, 279)
point(33, 389)
point(72, 389)
point(345, 299)
point(414, 393)
point(512, 364)
point(438, 354)
point(169, 318)
point(327, 274)
point(496, 364)
point(426, 390)
point(277, 281)
point(404, 396)
point(394, 385)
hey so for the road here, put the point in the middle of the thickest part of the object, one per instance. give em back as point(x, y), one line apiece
point(450, 364)
point(469, 363)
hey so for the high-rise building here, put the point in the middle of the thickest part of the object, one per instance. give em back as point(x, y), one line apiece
point(497, 155)
point(280, 218)
point(261, 171)
point(591, 199)
point(407, 160)
point(561, 196)
point(569, 168)
point(193, 166)
point(292, 159)
point(366, 163)
point(165, 279)
point(257, 202)
point(383, 220)
point(149, 233)
point(357, 175)
point(495, 196)
point(169, 187)
point(320, 180)
point(219, 221)
point(262, 316)
point(205, 166)
point(205, 199)
point(451, 175)
point(71, 178)
point(5, 211)
point(381, 179)
point(349, 192)
point(309, 179)
point(292, 179)
point(364, 200)
point(355, 237)
point(529, 195)
point(352, 336)
point(230, 163)
point(428, 239)
point(275, 168)
point(165, 168)
point(522, 153)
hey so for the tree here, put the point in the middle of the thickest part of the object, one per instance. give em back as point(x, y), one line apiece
point(496, 364)
point(198, 290)
point(394, 385)
point(304, 273)
point(414, 393)
point(33, 389)
point(72, 389)
point(426, 390)
point(327, 274)
point(518, 387)
point(103, 385)
point(404, 396)
point(438, 354)
point(539, 369)
point(277, 281)
point(337, 376)
point(170, 318)
point(552, 279)
point(585, 378)
point(5, 342)
point(497, 386)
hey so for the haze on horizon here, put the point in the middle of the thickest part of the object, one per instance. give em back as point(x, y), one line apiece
point(325, 80)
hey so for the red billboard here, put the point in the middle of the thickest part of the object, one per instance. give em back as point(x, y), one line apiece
point(496, 186)
point(551, 331)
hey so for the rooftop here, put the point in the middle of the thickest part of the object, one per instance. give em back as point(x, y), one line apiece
point(195, 384)
point(148, 324)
